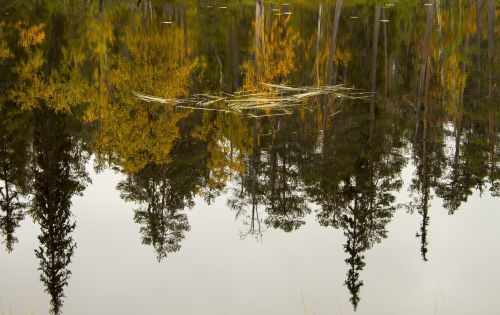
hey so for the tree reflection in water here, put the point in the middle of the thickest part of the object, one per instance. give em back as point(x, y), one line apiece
point(162, 221)
point(68, 73)
point(58, 174)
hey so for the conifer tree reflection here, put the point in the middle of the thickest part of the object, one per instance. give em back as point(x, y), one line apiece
point(369, 208)
point(493, 99)
point(494, 152)
point(356, 244)
point(58, 174)
point(467, 169)
point(421, 185)
point(356, 182)
point(13, 175)
point(428, 156)
point(12, 214)
point(284, 199)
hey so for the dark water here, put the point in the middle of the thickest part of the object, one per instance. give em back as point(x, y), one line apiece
point(380, 199)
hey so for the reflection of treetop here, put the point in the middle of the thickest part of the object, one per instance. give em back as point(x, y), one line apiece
point(162, 198)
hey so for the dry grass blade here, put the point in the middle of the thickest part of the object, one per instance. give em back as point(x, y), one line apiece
point(275, 100)
point(154, 99)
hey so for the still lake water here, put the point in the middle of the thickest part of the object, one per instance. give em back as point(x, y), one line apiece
point(249, 157)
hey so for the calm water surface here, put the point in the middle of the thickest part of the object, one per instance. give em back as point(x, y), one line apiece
point(148, 166)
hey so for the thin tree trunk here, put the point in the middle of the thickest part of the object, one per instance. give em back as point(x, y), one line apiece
point(491, 46)
point(424, 63)
point(376, 31)
point(479, 37)
point(333, 42)
point(318, 37)
point(259, 38)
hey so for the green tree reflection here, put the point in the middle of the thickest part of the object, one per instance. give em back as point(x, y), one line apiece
point(14, 161)
point(58, 174)
point(163, 224)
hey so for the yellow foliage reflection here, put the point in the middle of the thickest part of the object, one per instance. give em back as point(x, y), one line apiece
point(131, 132)
point(274, 53)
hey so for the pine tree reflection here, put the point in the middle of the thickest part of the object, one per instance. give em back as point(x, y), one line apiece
point(13, 171)
point(283, 197)
point(429, 159)
point(370, 206)
point(58, 175)
point(13, 214)
point(356, 186)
